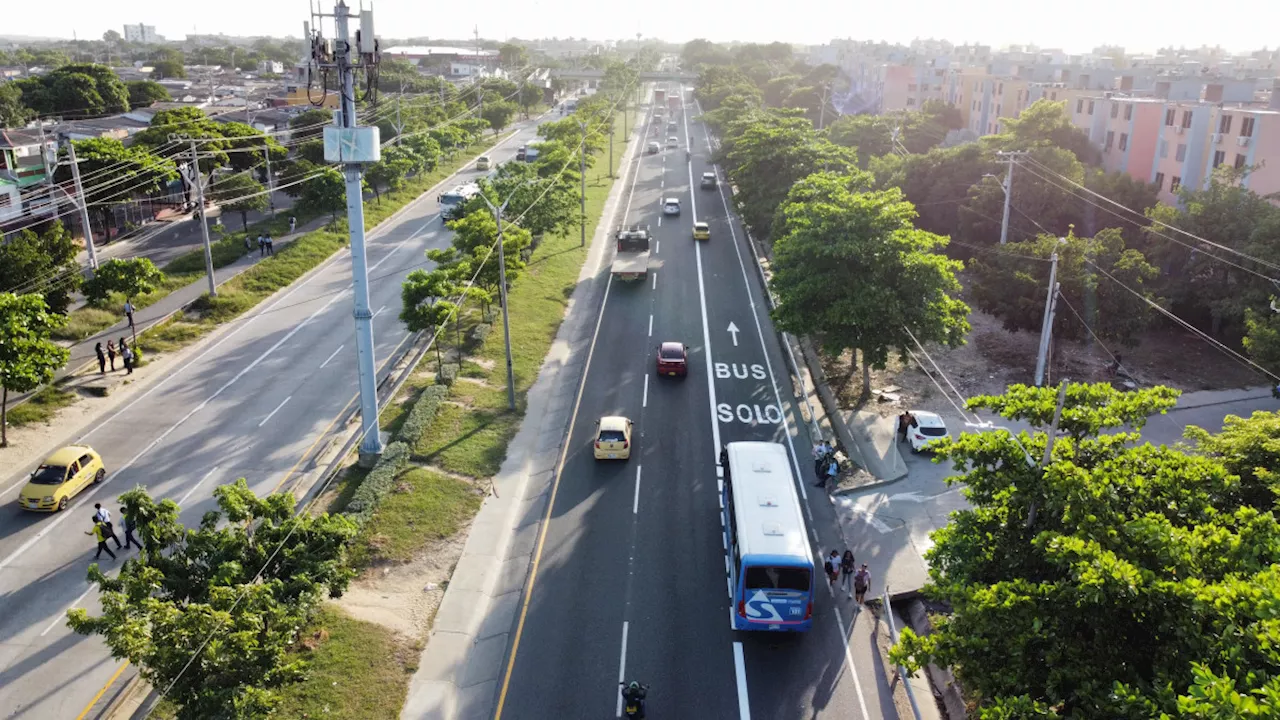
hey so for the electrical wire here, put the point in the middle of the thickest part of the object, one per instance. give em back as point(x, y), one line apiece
point(958, 394)
point(1173, 228)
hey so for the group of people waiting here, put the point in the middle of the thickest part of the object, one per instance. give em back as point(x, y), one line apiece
point(825, 464)
point(109, 355)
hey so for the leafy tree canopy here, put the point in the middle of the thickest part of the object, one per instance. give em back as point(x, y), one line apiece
point(851, 270)
point(75, 90)
point(1146, 583)
point(44, 264)
point(1012, 287)
point(28, 357)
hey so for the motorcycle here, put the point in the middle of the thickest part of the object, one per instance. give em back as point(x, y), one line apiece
point(633, 694)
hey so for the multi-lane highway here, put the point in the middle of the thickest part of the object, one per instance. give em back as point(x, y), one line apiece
point(250, 402)
point(631, 580)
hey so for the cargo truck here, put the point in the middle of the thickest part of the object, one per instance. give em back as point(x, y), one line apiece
point(631, 262)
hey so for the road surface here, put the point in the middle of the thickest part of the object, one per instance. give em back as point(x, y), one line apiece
point(631, 582)
point(250, 403)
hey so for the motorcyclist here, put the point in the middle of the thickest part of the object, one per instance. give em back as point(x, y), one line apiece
point(633, 695)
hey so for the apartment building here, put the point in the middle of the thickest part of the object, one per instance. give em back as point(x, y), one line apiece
point(1179, 143)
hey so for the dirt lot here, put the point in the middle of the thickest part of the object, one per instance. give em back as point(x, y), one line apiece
point(994, 358)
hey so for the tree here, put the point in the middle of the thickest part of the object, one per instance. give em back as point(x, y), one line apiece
point(131, 277)
point(498, 115)
point(937, 182)
point(309, 124)
point(1012, 288)
point(700, 52)
point(75, 90)
point(1208, 285)
point(13, 113)
point(142, 93)
point(1046, 124)
point(424, 299)
point(530, 95)
point(1175, 548)
point(767, 158)
point(325, 193)
point(310, 150)
point(44, 264)
point(248, 578)
point(239, 193)
point(118, 173)
point(1262, 336)
point(778, 89)
point(1040, 202)
point(396, 165)
point(541, 209)
point(111, 37)
point(191, 123)
point(28, 357)
point(475, 237)
point(513, 56)
point(168, 69)
point(851, 270)
point(1095, 215)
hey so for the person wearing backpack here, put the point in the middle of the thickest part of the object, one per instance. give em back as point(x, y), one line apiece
point(832, 567)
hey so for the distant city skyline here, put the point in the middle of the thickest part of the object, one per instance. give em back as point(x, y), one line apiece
point(1075, 27)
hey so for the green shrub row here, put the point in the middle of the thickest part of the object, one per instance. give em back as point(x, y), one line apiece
point(423, 412)
point(380, 481)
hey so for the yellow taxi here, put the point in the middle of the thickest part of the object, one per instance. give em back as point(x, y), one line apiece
point(613, 438)
point(701, 231)
point(61, 475)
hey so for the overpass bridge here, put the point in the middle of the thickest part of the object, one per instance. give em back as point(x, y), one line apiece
point(590, 74)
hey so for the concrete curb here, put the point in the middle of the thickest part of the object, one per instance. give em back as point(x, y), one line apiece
point(461, 667)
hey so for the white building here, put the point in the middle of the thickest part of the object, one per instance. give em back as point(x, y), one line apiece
point(142, 34)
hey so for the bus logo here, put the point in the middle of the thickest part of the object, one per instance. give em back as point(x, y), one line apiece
point(759, 608)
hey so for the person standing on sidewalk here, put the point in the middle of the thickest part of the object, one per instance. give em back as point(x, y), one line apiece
point(271, 246)
point(262, 245)
point(111, 353)
point(128, 312)
point(847, 568)
point(103, 515)
point(102, 359)
point(293, 224)
point(127, 354)
point(99, 533)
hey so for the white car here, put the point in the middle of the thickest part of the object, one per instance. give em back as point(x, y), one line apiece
point(671, 206)
point(654, 147)
point(673, 142)
point(926, 428)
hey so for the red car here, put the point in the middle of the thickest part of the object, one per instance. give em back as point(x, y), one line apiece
point(673, 359)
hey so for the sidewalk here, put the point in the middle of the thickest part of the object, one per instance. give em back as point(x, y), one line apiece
point(82, 352)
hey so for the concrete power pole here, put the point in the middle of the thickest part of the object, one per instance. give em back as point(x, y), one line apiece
point(1010, 158)
point(84, 205)
point(355, 147)
point(502, 295)
point(1046, 327)
point(582, 170)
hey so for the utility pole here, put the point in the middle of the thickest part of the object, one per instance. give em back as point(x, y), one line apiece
point(1048, 446)
point(198, 180)
point(354, 147)
point(582, 171)
point(1046, 326)
point(502, 294)
point(822, 113)
point(1010, 158)
point(84, 205)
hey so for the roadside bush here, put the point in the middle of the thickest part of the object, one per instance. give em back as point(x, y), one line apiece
point(480, 332)
point(377, 483)
point(448, 373)
point(423, 412)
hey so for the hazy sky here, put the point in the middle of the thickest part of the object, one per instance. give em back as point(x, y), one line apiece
point(1076, 26)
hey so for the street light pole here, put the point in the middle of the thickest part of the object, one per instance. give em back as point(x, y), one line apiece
point(502, 294)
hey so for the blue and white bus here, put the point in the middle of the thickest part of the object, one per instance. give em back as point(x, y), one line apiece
point(771, 570)
point(453, 202)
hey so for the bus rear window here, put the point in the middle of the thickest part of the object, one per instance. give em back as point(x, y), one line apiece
point(777, 578)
